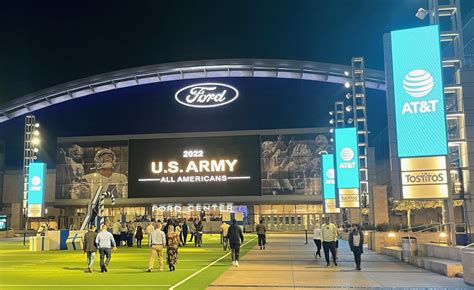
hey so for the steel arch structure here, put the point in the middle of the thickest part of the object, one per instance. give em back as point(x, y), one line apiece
point(269, 68)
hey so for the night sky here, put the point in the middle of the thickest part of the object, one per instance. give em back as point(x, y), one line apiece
point(45, 43)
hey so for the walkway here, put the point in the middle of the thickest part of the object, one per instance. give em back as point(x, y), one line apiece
point(288, 263)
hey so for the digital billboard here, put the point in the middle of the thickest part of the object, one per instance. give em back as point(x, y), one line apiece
point(329, 181)
point(36, 189)
point(418, 92)
point(190, 167)
point(329, 184)
point(347, 158)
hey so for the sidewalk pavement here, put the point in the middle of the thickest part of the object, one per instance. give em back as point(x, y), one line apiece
point(289, 263)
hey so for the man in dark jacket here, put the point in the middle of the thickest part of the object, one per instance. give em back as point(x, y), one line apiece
point(235, 237)
point(90, 247)
point(184, 233)
point(356, 242)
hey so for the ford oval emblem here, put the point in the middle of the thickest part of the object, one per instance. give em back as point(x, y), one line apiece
point(206, 95)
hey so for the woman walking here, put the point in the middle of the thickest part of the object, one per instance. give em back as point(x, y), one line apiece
point(356, 242)
point(139, 235)
point(317, 240)
point(172, 247)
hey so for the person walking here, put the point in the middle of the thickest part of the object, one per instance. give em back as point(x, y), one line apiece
point(105, 241)
point(123, 234)
point(198, 234)
point(317, 240)
point(149, 229)
point(172, 247)
point(356, 242)
point(329, 236)
point(224, 230)
point(157, 242)
point(184, 233)
point(116, 231)
point(262, 234)
point(139, 235)
point(235, 236)
point(192, 230)
point(130, 234)
point(90, 247)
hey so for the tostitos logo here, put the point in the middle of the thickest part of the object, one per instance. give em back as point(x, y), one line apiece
point(418, 83)
point(206, 95)
point(347, 154)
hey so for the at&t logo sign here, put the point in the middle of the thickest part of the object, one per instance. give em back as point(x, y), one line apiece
point(330, 176)
point(347, 154)
point(419, 83)
point(35, 183)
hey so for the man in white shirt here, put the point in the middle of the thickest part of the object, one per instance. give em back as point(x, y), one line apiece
point(317, 240)
point(105, 242)
point(224, 229)
point(157, 241)
point(329, 237)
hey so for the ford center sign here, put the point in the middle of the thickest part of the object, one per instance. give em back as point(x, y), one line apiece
point(418, 92)
point(206, 95)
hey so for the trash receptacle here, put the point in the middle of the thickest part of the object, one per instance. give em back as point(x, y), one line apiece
point(408, 248)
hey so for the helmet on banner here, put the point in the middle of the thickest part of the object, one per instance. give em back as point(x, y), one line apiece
point(321, 143)
point(75, 152)
point(301, 150)
point(267, 148)
point(105, 158)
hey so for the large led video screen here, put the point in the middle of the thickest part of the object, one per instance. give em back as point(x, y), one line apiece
point(418, 91)
point(191, 167)
point(82, 167)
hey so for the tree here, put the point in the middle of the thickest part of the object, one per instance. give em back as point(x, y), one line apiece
point(409, 205)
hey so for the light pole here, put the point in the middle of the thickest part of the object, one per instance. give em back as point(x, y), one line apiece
point(31, 147)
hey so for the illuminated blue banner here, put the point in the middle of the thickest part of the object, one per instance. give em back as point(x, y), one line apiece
point(36, 188)
point(418, 92)
point(329, 181)
point(347, 158)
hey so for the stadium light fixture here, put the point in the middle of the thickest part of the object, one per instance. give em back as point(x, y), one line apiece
point(347, 85)
point(331, 130)
point(421, 13)
point(37, 125)
point(331, 121)
point(348, 96)
point(331, 113)
point(350, 120)
point(349, 108)
point(35, 141)
point(346, 73)
point(36, 132)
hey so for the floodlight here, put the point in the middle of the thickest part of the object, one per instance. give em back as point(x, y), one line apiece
point(349, 108)
point(331, 121)
point(421, 13)
point(331, 130)
point(331, 113)
point(35, 141)
point(350, 120)
point(346, 73)
point(347, 85)
point(37, 125)
point(348, 96)
point(36, 132)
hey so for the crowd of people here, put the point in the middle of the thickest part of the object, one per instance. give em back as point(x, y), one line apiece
point(169, 235)
point(173, 234)
point(327, 237)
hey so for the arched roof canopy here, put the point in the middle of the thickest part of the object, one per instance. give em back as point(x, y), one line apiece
point(270, 68)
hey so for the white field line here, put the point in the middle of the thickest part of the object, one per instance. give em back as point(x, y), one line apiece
point(86, 285)
point(195, 273)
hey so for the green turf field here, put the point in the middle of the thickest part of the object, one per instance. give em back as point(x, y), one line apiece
point(22, 269)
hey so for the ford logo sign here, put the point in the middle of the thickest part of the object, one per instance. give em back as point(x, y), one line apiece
point(206, 95)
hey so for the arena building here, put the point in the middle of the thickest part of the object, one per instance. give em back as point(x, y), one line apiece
point(190, 139)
